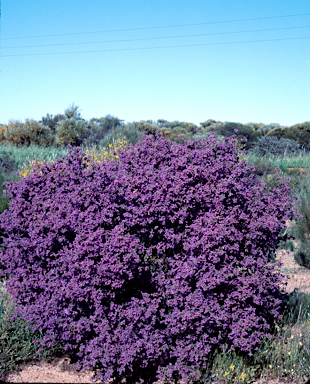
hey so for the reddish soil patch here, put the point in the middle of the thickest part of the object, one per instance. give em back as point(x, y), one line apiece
point(301, 170)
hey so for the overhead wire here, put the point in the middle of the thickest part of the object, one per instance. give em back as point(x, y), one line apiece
point(156, 27)
point(154, 38)
point(157, 47)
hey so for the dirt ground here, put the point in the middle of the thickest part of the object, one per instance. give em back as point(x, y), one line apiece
point(61, 371)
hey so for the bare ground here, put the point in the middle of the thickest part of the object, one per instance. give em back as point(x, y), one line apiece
point(61, 371)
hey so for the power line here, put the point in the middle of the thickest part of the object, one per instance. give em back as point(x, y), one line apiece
point(155, 38)
point(158, 47)
point(156, 27)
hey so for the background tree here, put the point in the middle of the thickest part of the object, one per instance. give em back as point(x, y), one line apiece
point(52, 121)
point(25, 134)
point(72, 129)
point(245, 134)
point(298, 132)
point(98, 128)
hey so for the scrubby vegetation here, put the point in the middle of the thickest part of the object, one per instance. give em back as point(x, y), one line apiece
point(138, 243)
point(272, 146)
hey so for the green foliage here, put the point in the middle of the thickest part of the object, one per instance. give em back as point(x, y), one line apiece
point(177, 134)
point(208, 123)
point(7, 164)
point(245, 134)
point(297, 132)
point(25, 134)
point(97, 129)
point(17, 341)
point(302, 255)
point(188, 127)
point(128, 132)
point(70, 131)
point(272, 145)
point(301, 187)
point(73, 112)
point(147, 127)
point(22, 156)
point(174, 130)
point(305, 126)
point(4, 200)
point(289, 244)
point(52, 121)
point(301, 160)
point(263, 167)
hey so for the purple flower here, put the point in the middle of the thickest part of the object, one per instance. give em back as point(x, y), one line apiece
point(148, 263)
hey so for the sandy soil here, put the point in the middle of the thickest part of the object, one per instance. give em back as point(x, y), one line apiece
point(61, 371)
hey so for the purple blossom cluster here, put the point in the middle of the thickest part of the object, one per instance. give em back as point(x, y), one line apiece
point(147, 263)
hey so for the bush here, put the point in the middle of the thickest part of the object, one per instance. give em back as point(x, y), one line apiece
point(25, 134)
point(52, 121)
point(294, 132)
point(302, 256)
point(301, 186)
point(146, 264)
point(99, 128)
point(174, 130)
point(246, 135)
point(2, 132)
point(128, 132)
point(263, 167)
point(71, 132)
point(271, 145)
point(7, 164)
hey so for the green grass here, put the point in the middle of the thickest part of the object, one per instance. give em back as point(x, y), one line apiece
point(14, 159)
point(282, 162)
point(4, 200)
point(22, 156)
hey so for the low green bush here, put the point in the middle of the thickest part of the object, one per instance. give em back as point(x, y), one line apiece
point(301, 187)
point(297, 132)
point(245, 134)
point(302, 256)
point(271, 145)
point(128, 132)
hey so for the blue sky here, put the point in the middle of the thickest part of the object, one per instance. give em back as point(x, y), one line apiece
point(236, 60)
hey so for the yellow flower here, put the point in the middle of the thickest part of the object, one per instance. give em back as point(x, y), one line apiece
point(110, 152)
point(33, 166)
point(226, 373)
point(242, 376)
point(232, 367)
point(270, 366)
point(289, 353)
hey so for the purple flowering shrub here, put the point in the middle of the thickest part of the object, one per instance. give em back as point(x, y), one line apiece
point(150, 262)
